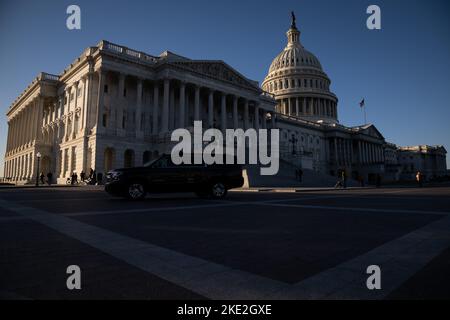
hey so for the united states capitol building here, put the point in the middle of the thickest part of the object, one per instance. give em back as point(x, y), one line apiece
point(116, 107)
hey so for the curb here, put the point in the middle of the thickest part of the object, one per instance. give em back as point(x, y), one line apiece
point(42, 186)
point(296, 190)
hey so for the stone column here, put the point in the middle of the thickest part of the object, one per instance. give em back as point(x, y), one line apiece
point(211, 109)
point(8, 137)
point(121, 102)
point(297, 112)
point(19, 132)
point(26, 121)
point(30, 122)
point(336, 152)
point(40, 105)
point(16, 130)
point(34, 119)
point(256, 116)
point(182, 110)
point(138, 118)
point(223, 111)
point(172, 108)
point(197, 104)
point(235, 113)
point(289, 107)
point(155, 108)
point(74, 112)
point(311, 107)
point(99, 115)
point(165, 111)
point(246, 116)
point(83, 106)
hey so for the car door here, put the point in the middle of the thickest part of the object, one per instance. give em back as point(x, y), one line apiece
point(166, 176)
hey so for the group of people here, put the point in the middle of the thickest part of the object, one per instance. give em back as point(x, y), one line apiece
point(73, 179)
point(49, 178)
point(91, 178)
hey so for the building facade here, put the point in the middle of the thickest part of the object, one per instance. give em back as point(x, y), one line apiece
point(307, 115)
point(116, 107)
point(429, 160)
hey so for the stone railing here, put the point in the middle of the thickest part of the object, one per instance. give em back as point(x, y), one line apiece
point(298, 120)
point(129, 53)
point(48, 76)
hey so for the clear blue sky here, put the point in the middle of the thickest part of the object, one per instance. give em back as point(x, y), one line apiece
point(403, 71)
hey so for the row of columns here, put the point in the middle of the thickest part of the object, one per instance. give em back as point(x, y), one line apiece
point(167, 116)
point(70, 121)
point(24, 127)
point(343, 150)
point(20, 167)
point(305, 106)
point(370, 152)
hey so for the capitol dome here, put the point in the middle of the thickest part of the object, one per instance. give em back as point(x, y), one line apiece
point(300, 86)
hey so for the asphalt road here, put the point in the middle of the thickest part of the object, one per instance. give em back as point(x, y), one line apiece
point(251, 245)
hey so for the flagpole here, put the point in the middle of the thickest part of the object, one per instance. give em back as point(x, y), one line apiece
point(365, 117)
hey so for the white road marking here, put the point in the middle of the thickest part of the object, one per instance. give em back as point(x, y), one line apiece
point(208, 279)
point(144, 210)
point(334, 208)
point(399, 260)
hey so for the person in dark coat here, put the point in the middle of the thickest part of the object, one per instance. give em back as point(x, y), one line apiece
point(41, 177)
point(378, 180)
point(49, 178)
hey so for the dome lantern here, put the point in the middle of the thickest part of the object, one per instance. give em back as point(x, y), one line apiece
point(293, 34)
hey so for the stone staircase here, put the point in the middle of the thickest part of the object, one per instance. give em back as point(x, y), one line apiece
point(286, 178)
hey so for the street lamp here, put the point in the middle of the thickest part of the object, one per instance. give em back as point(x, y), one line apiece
point(38, 156)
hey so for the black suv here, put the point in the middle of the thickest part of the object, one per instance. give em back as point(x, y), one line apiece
point(162, 175)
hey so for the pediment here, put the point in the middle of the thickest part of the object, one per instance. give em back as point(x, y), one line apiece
point(219, 70)
point(371, 131)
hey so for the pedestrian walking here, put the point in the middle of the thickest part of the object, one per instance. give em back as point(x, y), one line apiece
point(41, 177)
point(361, 181)
point(378, 182)
point(74, 178)
point(344, 179)
point(419, 179)
point(300, 174)
point(82, 176)
point(49, 178)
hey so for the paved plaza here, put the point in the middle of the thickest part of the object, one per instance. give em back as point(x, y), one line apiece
point(251, 245)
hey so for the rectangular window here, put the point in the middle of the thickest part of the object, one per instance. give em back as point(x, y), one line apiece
point(65, 99)
point(125, 92)
point(105, 88)
point(104, 120)
point(123, 121)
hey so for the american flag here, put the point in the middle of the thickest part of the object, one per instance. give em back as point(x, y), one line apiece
point(361, 104)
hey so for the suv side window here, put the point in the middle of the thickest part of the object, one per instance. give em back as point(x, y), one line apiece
point(164, 162)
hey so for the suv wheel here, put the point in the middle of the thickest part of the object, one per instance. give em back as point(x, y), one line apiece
point(136, 191)
point(218, 190)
